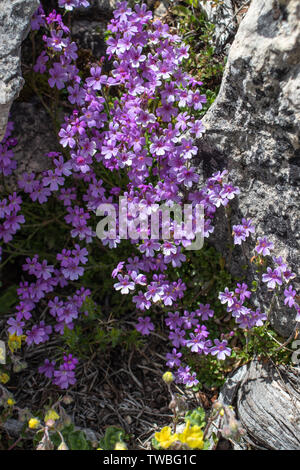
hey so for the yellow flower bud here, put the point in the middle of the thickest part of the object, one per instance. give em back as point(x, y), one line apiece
point(63, 446)
point(168, 377)
point(10, 402)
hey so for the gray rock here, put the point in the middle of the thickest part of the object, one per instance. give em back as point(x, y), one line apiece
point(89, 25)
point(161, 10)
point(15, 17)
point(35, 135)
point(227, 397)
point(222, 16)
point(268, 406)
point(253, 130)
point(229, 390)
point(106, 4)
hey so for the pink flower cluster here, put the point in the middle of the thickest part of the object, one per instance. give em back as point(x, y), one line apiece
point(140, 122)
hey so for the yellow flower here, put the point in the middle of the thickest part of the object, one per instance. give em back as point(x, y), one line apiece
point(165, 437)
point(15, 342)
point(192, 436)
point(51, 415)
point(120, 446)
point(10, 402)
point(4, 378)
point(168, 377)
point(34, 423)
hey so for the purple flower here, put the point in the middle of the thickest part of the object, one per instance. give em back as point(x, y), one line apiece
point(264, 246)
point(177, 338)
point(16, 326)
point(70, 362)
point(288, 275)
point(188, 176)
point(141, 302)
point(280, 264)
point(144, 325)
point(38, 334)
point(174, 320)
point(125, 284)
point(58, 76)
point(272, 278)
point(220, 349)
point(241, 289)
point(204, 311)
point(173, 359)
point(148, 247)
point(72, 271)
point(24, 309)
point(118, 269)
point(47, 368)
point(154, 292)
point(184, 376)
point(96, 79)
point(67, 137)
point(63, 378)
point(201, 331)
point(289, 296)
point(196, 343)
point(55, 307)
point(239, 234)
point(226, 297)
point(248, 226)
point(237, 308)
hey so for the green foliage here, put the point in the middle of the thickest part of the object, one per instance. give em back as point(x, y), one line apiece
point(264, 343)
point(196, 417)
point(211, 372)
point(95, 332)
point(203, 63)
point(155, 444)
point(75, 439)
point(113, 434)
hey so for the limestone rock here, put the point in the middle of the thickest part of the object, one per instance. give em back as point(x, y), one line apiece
point(253, 129)
point(15, 18)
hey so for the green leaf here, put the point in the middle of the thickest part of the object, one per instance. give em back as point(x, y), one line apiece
point(196, 417)
point(182, 11)
point(113, 434)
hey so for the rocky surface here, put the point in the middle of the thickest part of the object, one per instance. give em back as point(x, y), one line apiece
point(35, 135)
point(253, 130)
point(223, 17)
point(89, 25)
point(268, 406)
point(15, 18)
point(266, 399)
